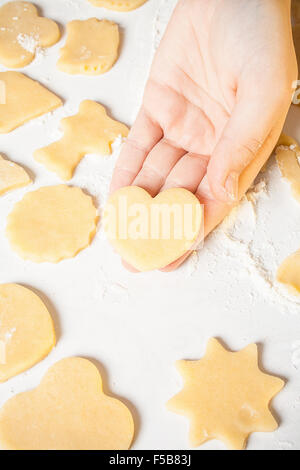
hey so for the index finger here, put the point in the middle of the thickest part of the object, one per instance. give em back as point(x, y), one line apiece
point(144, 134)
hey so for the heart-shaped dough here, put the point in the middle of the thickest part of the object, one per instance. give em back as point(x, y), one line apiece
point(150, 233)
point(67, 411)
point(26, 330)
point(12, 176)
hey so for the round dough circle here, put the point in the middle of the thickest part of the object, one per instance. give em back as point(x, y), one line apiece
point(52, 223)
point(26, 330)
point(118, 5)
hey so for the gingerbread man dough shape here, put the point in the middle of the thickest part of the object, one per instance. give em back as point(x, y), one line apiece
point(89, 131)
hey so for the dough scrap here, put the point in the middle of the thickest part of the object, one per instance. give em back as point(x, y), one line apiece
point(12, 176)
point(89, 131)
point(118, 5)
point(67, 411)
point(288, 159)
point(52, 223)
point(226, 396)
point(91, 47)
point(289, 273)
point(24, 99)
point(22, 32)
point(150, 242)
point(26, 330)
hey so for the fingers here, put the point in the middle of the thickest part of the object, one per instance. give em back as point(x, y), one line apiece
point(157, 166)
point(251, 122)
point(188, 172)
point(214, 210)
point(143, 136)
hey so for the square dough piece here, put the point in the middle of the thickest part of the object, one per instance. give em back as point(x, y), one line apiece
point(91, 47)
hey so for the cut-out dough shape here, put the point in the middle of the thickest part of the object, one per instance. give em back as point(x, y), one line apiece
point(91, 47)
point(89, 131)
point(26, 330)
point(289, 273)
point(288, 159)
point(118, 5)
point(22, 31)
point(52, 223)
point(67, 411)
point(12, 176)
point(24, 99)
point(226, 396)
point(150, 233)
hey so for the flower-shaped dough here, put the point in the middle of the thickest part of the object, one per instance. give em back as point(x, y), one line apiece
point(22, 31)
point(91, 47)
point(226, 396)
point(118, 5)
point(26, 330)
point(12, 176)
point(67, 411)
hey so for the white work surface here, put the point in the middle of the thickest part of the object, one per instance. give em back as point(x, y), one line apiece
point(136, 326)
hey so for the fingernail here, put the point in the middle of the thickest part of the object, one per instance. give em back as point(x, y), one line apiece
point(232, 186)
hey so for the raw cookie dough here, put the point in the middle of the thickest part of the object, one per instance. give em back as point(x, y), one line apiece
point(119, 5)
point(12, 176)
point(67, 411)
point(289, 273)
point(26, 330)
point(52, 223)
point(25, 99)
point(288, 159)
point(89, 131)
point(91, 47)
point(226, 396)
point(146, 232)
point(22, 31)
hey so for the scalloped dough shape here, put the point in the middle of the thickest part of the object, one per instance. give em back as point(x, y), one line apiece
point(91, 47)
point(89, 131)
point(12, 176)
point(150, 233)
point(24, 99)
point(226, 396)
point(26, 330)
point(67, 411)
point(52, 223)
point(22, 32)
point(118, 5)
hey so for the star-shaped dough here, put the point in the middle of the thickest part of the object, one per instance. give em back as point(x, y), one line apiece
point(118, 5)
point(89, 131)
point(22, 31)
point(12, 176)
point(91, 47)
point(23, 99)
point(226, 396)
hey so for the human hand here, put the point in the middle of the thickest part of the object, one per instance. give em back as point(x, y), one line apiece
point(215, 102)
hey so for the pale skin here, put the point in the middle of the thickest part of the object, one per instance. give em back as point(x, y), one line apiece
point(215, 103)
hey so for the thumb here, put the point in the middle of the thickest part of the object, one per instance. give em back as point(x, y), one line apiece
point(250, 124)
